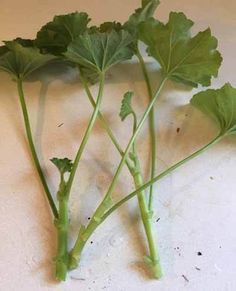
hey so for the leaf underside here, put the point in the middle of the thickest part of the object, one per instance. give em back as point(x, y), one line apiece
point(220, 105)
point(185, 59)
point(19, 60)
point(97, 52)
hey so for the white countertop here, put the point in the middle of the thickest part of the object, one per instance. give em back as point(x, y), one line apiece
point(196, 204)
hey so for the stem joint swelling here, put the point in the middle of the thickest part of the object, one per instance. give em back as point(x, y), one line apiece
point(86, 232)
point(146, 215)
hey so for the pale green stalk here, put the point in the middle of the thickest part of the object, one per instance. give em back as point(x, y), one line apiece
point(86, 135)
point(151, 128)
point(162, 175)
point(106, 202)
point(138, 180)
point(85, 233)
point(64, 192)
point(62, 225)
point(32, 148)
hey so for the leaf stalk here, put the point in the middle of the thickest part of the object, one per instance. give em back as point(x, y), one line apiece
point(32, 148)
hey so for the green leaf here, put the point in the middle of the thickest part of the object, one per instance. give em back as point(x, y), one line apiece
point(219, 104)
point(3, 50)
point(126, 107)
point(109, 26)
point(100, 51)
point(55, 36)
point(185, 59)
point(20, 61)
point(141, 14)
point(24, 42)
point(106, 27)
point(89, 75)
point(63, 165)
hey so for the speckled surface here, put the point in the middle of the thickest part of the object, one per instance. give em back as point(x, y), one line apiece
point(196, 204)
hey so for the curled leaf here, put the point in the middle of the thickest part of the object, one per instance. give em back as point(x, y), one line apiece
point(185, 59)
point(63, 165)
point(126, 107)
point(219, 104)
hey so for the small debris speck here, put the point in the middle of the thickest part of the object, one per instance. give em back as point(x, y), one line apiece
point(60, 124)
point(158, 219)
point(185, 278)
point(178, 130)
point(91, 242)
point(211, 178)
point(75, 278)
point(198, 269)
point(199, 253)
point(89, 218)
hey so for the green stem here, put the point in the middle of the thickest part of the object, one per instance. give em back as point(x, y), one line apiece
point(138, 180)
point(100, 116)
point(101, 213)
point(106, 202)
point(146, 214)
point(62, 264)
point(151, 128)
point(86, 135)
point(142, 201)
point(62, 225)
point(32, 148)
point(103, 120)
point(160, 176)
point(85, 233)
point(138, 128)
